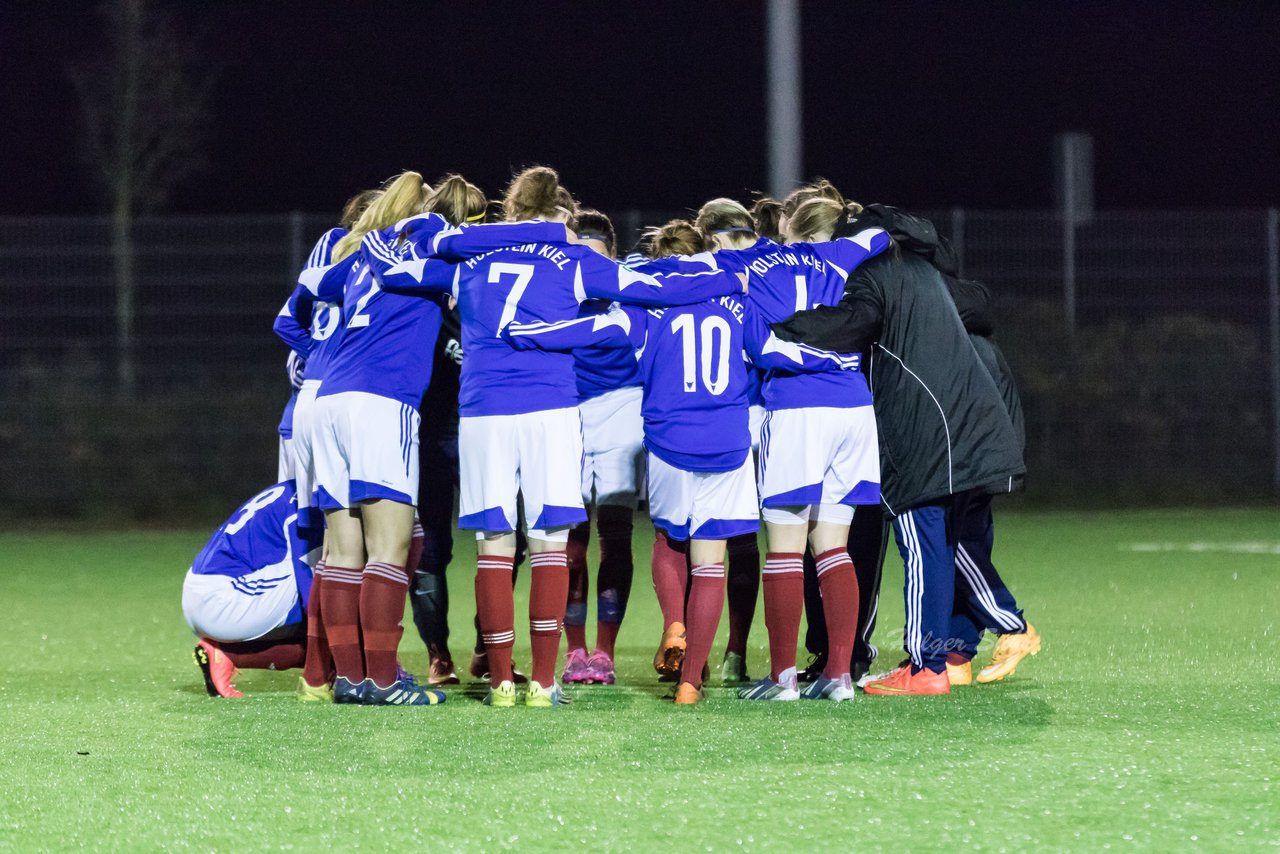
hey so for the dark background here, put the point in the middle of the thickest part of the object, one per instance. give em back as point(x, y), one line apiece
point(660, 104)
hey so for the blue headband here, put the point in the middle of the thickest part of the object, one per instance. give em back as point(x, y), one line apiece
point(731, 230)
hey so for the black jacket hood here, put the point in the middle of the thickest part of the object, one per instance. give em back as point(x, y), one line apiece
point(910, 233)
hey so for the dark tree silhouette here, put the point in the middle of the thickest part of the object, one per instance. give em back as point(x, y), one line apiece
point(143, 107)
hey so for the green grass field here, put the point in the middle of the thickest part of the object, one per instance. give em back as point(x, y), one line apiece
point(1151, 719)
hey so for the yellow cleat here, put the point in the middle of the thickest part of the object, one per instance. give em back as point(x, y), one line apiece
point(537, 697)
point(503, 696)
point(1010, 650)
point(960, 674)
point(314, 693)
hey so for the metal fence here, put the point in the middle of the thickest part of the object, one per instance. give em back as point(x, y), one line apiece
point(1146, 343)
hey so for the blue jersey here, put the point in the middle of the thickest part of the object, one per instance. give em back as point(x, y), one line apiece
point(787, 279)
point(319, 320)
point(693, 362)
point(538, 282)
point(600, 370)
point(388, 338)
point(264, 533)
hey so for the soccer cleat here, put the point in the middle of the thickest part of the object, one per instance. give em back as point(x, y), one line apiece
point(902, 682)
point(502, 697)
point(600, 668)
point(784, 690)
point(402, 692)
point(826, 688)
point(734, 669)
point(1010, 650)
point(347, 692)
point(537, 697)
point(813, 669)
point(314, 693)
point(217, 669)
point(869, 677)
point(441, 670)
point(670, 653)
point(480, 669)
point(687, 695)
point(576, 671)
point(960, 674)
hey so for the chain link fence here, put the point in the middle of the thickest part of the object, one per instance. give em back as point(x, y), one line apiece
point(1147, 354)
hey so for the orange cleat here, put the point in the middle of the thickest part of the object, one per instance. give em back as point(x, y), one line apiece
point(687, 695)
point(902, 682)
point(217, 669)
point(670, 655)
point(1010, 650)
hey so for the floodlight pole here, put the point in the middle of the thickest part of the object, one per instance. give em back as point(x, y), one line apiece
point(782, 49)
point(1273, 310)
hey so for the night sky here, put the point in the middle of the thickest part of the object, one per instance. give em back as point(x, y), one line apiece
point(659, 105)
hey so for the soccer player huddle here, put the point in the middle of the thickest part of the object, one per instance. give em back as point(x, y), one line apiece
point(719, 377)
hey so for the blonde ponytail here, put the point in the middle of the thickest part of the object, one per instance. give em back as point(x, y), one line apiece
point(403, 197)
point(819, 215)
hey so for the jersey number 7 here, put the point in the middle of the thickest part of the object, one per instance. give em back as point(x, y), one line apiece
point(523, 274)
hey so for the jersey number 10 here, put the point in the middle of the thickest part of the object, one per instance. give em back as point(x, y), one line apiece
point(714, 360)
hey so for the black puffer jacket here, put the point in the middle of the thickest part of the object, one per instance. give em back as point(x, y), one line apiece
point(943, 426)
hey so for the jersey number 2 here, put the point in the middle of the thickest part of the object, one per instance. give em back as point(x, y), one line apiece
point(714, 359)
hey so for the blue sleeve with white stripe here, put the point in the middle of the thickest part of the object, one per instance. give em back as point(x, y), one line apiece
point(684, 282)
point(766, 350)
point(846, 253)
point(468, 241)
point(293, 323)
point(613, 329)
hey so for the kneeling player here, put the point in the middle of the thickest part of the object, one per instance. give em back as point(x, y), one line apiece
point(246, 594)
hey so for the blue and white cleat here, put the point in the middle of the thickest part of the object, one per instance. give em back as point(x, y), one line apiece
point(826, 688)
point(402, 692)
point(348, 692)
point(784, 690)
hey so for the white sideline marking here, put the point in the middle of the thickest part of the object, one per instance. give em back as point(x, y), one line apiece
point(1242, 548)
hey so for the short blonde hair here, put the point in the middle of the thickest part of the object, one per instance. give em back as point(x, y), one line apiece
point(677, 237)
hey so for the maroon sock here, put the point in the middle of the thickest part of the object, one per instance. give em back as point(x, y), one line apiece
point(783, 605)
point(340, 609)
point(382, 619)
point(270, 656)
point(548, 590)
point(706, 604)
point(416, 546)
point(318, 668)
point(575, 615)
point(670, 576)
point(743, 582)
point(839, 585)
point(495, 606)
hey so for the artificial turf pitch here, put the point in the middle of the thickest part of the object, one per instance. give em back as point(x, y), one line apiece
point(1149, 720)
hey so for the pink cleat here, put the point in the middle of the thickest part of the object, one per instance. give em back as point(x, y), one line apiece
point(576, 669)
point(217, 669)
point(600, 668)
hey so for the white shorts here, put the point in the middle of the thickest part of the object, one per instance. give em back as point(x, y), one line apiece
point(703, 505)
point(536, 456)
point(820, 456)
point(613, 448)
point(229, 608)
point(286, 461)
point(365, 447)
point(304, 468)
point(755, 423)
